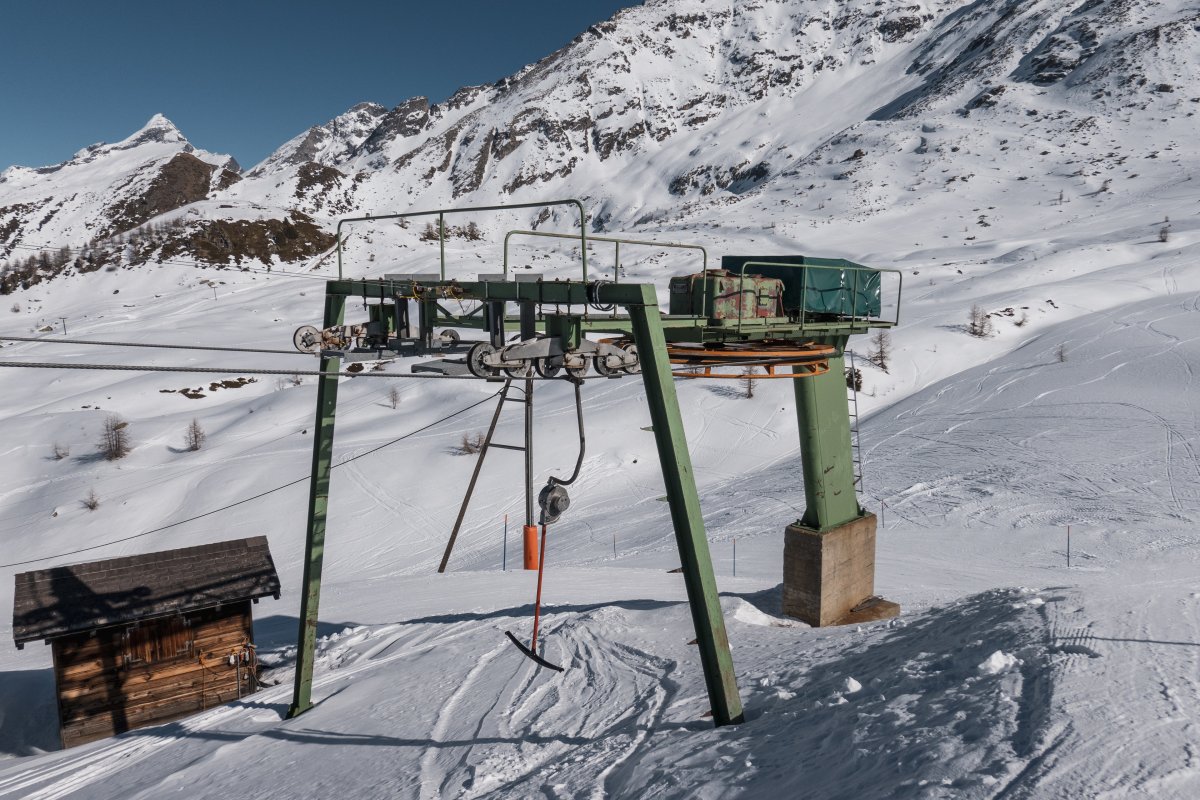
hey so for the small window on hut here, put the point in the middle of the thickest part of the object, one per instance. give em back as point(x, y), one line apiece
point(157, 640)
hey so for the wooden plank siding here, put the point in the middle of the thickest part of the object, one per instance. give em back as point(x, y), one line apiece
point(124, 677)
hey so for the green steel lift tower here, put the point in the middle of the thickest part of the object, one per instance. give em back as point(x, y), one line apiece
point(787, 315)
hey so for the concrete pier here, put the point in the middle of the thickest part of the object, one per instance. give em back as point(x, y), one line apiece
point(829, 576)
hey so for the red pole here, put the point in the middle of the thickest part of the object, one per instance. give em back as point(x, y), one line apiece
point(531, 547)
point(537, 603)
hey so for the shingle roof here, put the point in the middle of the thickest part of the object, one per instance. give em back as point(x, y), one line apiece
point(62, 600)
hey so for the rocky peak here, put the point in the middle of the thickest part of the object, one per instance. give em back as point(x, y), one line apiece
point(407, 119)
point(329, 144)
point(157, 129)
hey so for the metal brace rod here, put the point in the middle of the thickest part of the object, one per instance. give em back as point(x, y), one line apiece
point(582, 439)
point(609, 239)
point(487, 442)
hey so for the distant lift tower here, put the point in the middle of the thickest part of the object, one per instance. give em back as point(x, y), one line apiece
point(787, 317)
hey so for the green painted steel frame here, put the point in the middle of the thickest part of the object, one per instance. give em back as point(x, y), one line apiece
point(647, 329)
point(568, 293)
point(826, 453)
point(318, 504)
point(684, 502)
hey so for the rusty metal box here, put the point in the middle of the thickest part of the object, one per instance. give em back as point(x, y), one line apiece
point(718, 294)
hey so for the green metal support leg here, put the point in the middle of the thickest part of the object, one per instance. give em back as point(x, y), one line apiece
point(685, 511)
point(318, 503)
point(826, 454)
point(829, 554)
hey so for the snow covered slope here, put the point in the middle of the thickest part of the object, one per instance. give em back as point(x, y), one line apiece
point(145, 199)
point(1035, 159)
point(108, 188)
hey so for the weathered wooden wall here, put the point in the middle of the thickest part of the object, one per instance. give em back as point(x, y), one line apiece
point(100, 695)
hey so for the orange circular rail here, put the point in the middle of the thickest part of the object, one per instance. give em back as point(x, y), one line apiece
point(715, 361)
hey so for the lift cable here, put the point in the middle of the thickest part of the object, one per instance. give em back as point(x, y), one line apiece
point(227, 370)
point(257, 496)
point(160, 478)
point(688, 369)
point(50, 340)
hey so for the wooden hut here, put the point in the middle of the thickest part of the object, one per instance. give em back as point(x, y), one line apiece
point(145, 639)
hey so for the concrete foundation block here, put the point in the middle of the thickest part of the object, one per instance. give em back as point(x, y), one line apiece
point(829, 576)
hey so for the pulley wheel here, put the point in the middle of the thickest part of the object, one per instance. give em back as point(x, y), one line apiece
point(603, 369)
point(307, 339)
point(548, 367)
point(630, 347)
point(577, 372)
point(525, 370)
point(475, 358)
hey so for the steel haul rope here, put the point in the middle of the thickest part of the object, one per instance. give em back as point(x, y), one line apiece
point(50, 340)
point(250, 499)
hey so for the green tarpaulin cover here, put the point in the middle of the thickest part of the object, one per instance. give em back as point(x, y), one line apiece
point(818, 285)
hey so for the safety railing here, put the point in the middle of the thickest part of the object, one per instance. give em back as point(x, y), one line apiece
point(615, 241)
point(441, 213)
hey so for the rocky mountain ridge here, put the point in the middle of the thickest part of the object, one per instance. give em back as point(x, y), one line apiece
point(673, 111)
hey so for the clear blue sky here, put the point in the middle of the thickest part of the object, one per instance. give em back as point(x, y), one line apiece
point(244, 77)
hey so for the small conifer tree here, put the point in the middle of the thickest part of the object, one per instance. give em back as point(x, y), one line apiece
point(749, 380)
point(194, 437)
point(979, 322)
point(881, 349)
point(114, 441)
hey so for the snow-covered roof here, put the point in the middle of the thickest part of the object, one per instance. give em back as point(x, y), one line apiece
point(62, 600)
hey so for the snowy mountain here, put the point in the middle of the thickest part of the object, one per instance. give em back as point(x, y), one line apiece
point(679, 108)
point(137, 201)
point(327, 144)
point(694, 104)
point(658, 86)
point(1034, 159)
point(108, 189)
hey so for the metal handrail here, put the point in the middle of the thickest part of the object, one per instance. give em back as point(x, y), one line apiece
point(804, 287)
point(441, 215)
point(615, 241)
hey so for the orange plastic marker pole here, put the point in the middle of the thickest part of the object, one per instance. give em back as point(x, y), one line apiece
point(531, 546)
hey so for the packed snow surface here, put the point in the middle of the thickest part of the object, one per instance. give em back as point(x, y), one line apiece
point(981, 687)
point(1034, 159)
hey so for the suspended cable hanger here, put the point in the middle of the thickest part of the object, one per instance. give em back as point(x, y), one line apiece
point(554, 501)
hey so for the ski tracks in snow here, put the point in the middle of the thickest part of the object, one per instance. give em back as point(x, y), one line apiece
point(67, 775)
point(506, 727)
point(76, 770)
point(512, 729)
point(1143, 675)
